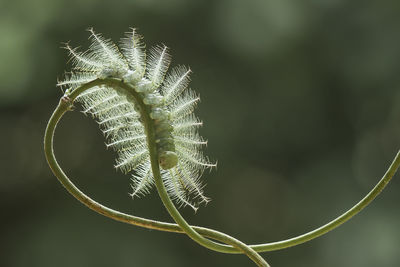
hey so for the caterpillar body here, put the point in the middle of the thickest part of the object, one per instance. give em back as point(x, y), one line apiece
point(167, 101)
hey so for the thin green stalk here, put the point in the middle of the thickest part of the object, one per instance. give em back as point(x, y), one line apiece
point(170, 227)
point(173, 211)
point(188, 229)
point(65, 104)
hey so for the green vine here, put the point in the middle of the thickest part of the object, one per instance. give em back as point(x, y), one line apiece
point(151, 123)
point(65, 105)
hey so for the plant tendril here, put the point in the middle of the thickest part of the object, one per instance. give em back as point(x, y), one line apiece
point(65, 105)
point(231, 245)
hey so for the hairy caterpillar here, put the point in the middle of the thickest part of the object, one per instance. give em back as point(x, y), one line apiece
point(167, 101)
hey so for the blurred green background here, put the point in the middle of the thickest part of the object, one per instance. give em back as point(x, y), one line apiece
point(301, 107)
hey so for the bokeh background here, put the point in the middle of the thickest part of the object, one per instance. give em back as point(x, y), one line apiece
point(301, 107)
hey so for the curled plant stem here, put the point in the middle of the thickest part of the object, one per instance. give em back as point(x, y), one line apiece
point(65, 105)
point(206, 232)
point(187, 228)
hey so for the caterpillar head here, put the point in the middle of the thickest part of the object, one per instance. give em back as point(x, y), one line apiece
point(168, 160)
point(167, 101)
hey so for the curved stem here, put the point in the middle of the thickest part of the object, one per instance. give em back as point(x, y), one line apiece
point(173, 211)
point(191, 232)
point(170, 227)
point(64, 105)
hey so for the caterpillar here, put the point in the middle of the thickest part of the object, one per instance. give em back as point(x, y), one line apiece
point(165, 97)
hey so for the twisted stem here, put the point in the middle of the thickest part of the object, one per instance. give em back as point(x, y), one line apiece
point(65, 105)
